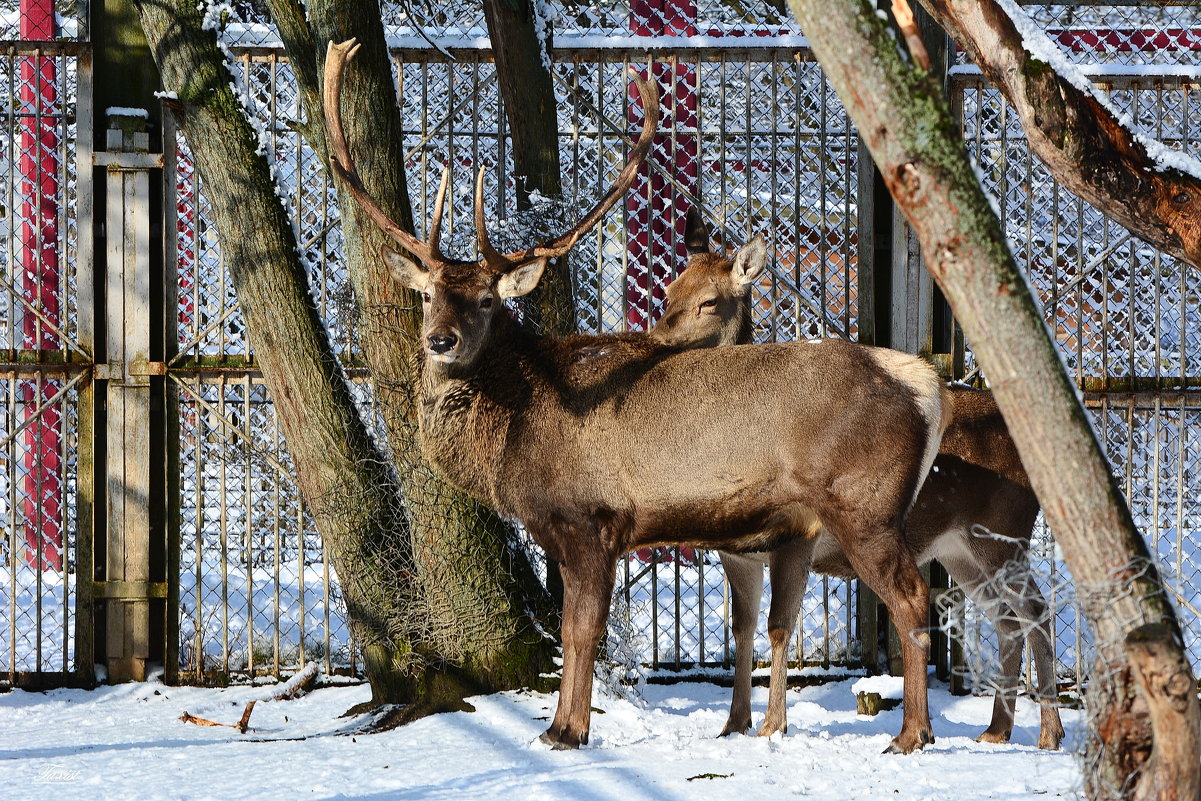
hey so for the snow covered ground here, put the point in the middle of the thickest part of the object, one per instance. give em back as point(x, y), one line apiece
point(127, 742)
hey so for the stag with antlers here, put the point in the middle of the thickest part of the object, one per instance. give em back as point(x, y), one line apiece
point(741, 448)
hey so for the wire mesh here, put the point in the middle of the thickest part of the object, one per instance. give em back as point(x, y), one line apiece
point(42, 20)
point(1126, 319)
point(256, 588)
point(39, 448)
point(39, 328)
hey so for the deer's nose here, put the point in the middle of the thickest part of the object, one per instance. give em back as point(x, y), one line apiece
point(441, 343)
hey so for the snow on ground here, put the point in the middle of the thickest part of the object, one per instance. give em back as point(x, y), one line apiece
point(127, 742)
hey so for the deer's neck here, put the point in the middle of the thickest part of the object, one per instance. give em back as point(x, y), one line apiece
point(745, 332)
point(466, 414)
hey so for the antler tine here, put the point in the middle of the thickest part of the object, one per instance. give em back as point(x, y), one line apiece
point(435, 232)
point(488, 254)
point(336, 58)
point(649, 93)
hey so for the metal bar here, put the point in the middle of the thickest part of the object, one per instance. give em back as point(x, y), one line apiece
point(200, 526)
point(33, 417)
point(171, 438)
point(248, 522)
point(223, 533)
point(14, 539)
point(85, 329)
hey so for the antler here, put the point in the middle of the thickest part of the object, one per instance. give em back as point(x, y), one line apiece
point(336, 58)
point(337, 55)
point(565, 241)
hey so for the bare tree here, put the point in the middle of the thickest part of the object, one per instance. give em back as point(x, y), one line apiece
point(441, 602)
point(908, 127)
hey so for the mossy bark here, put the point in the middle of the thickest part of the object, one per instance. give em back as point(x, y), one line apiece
point(907, 125)
point(436, 594)
point(1087, 149)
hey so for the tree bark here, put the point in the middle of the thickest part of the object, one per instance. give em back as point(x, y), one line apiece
point(906, 123)
point(482, 597)
point(1086, 148)
point(440, 603)
point(334, 455)
point(531, 109)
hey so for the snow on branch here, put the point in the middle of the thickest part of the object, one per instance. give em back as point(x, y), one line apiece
point(1092, 149)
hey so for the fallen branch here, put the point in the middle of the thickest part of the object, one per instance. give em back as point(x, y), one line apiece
point(291, 689)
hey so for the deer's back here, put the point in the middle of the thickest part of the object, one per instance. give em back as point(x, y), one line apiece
point(704, 446)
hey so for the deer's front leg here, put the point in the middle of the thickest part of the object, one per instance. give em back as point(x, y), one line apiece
point(587, 591)
point(789, 566)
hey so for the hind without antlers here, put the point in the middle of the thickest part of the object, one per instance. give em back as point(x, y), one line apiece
point(638, 444)
point(977, 482)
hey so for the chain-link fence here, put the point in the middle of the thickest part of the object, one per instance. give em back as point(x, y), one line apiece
point(45, 366)
point(752, 133)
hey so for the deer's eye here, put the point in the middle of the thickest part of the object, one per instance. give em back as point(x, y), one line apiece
point(425, 297)
point(711, 303)
point(486, 303)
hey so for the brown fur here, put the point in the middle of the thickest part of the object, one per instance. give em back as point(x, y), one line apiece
point(977, 480)
point(600, 445)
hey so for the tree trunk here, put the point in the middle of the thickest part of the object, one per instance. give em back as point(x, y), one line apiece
point(335, 457)
point(523, 72)
point(1086, 148)
point(482, 597)
point(906, 123)
point(420, 648)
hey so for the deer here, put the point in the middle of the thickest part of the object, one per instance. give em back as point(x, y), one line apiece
point(599, 445)
point(975, 512)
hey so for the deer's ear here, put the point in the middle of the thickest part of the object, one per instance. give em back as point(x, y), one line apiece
point(522, 279)
point(750, 260)
point(405, 271)
point(696, 233)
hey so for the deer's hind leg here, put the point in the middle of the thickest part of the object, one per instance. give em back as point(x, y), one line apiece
point(789, 573)
point(882, 560)
point(745, 576)
point(1017, 607)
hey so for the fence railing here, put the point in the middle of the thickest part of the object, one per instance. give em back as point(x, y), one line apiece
point(752, 134)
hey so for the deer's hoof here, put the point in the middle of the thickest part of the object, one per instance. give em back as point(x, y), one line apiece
point(736, 728)
point(907, 744)
point(1049, 739)
point(563, 740)
point(997, 736)
point(767, 730)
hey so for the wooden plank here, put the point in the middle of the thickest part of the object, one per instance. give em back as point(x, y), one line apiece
point(128, 490)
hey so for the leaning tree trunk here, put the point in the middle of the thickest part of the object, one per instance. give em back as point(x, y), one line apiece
point(906, 123)
point(416, 651)
point(334, 455)
point(1080, 140)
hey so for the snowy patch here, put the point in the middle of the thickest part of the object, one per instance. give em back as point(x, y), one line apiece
point(127, 741)
point(886, 686)
point(126, 111)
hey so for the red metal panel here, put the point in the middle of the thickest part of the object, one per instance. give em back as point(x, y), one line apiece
point(39, 266)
